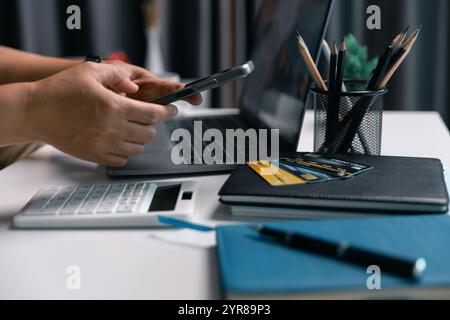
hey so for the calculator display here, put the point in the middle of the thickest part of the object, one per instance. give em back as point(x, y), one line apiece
point(165, 198)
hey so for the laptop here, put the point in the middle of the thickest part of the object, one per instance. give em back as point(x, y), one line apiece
point(273, 97)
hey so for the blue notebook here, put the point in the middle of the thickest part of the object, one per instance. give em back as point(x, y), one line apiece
point(253, 267)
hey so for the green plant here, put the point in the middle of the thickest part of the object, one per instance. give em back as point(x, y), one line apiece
point(357, 64)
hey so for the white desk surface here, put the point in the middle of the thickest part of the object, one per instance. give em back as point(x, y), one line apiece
point(145, 264)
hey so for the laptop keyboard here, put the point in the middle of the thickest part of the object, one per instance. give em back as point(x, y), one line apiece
point(219, 123)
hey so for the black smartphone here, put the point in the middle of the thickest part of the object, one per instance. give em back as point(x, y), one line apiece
point(212, 82)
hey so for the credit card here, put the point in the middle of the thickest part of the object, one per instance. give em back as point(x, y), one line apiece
point(331, 166)
point(308, 175)
point(274, 175)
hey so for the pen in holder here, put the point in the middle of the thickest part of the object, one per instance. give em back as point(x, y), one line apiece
point(359, 127)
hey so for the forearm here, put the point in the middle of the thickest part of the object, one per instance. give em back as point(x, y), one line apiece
point(14, 124)
point(19, 66)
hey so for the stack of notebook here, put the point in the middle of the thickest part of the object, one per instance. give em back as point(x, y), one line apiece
point(394, 185)
point(255, 268)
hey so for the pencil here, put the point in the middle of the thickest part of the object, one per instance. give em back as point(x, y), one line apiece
point(383, 63)
point(399, 51)
point(406, 49)
point(397, 42)
point(400, 39)
point(304, 52)
point(413, 36)
point(405, 33)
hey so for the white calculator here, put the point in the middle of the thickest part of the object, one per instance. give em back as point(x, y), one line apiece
point(117, 205)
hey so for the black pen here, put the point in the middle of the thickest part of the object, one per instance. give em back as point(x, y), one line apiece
point(412, 269)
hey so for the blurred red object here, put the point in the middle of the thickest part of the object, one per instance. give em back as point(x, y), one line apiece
point(118, 56)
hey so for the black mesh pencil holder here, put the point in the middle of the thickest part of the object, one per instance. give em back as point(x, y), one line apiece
point(353, 124)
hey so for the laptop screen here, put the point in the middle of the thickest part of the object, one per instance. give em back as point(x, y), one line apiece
point(275, 94)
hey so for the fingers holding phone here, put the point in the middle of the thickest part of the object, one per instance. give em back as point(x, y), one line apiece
point(191, 91)
point(153, 87)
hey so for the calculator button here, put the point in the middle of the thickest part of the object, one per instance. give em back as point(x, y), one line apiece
point(83, 191)
point(68, 211)
point(79, 196)
point(35, 207)
point(84, 188)
point(39, 203)
point(112, 196)
point(110, 199)
point(117, 188)
point(39, 213)
point(97, 194)
point(85, 212)
point(62, 196)
point(105, 210)
point(112, 192)
point(72, 205)
point(50, 210)
point(125, 209)
point(55, 205)
point(91, 203)
point(76, 200)
point(102, 187)
point(59, 199)
point(108, 203)
point(45, 194)
point(95, 198)
point(88, 207)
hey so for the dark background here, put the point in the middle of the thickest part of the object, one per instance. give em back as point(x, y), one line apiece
point(203, 36)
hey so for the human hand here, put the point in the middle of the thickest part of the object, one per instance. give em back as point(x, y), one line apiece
point(152, 87)
point(82, 112)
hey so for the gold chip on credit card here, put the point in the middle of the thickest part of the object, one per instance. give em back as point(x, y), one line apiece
point(309, 177)
point(274, 175)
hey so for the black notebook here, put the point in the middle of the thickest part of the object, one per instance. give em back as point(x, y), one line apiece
point(394, 185)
